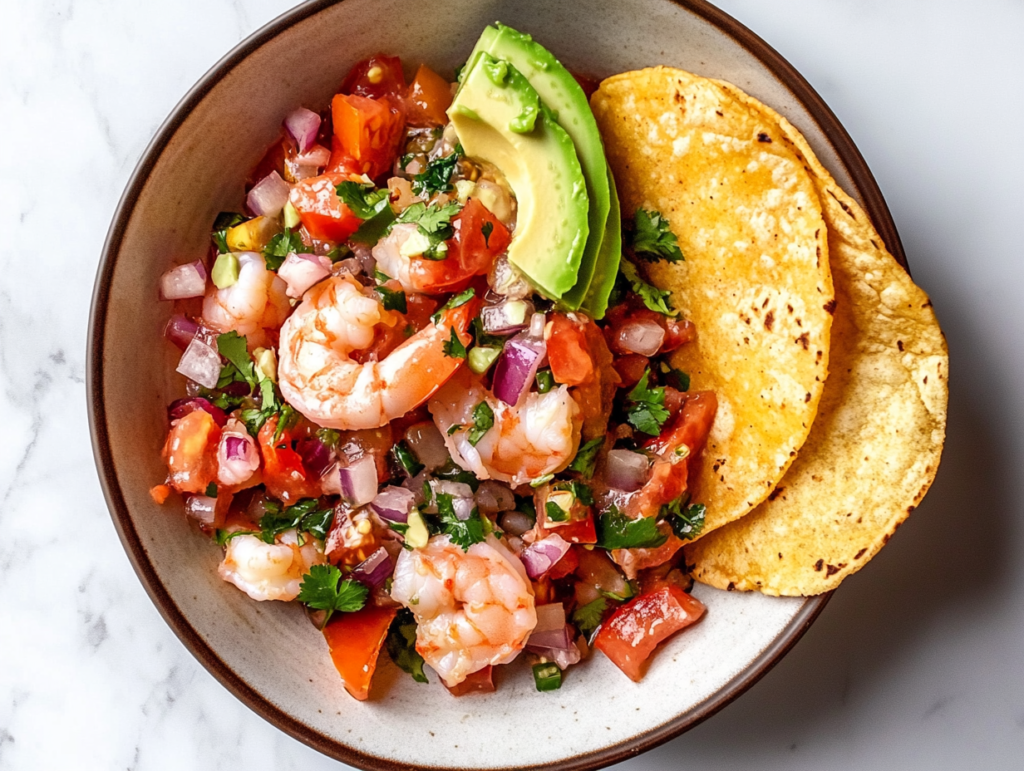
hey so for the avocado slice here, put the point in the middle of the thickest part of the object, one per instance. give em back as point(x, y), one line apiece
point(499, 118)
point(559, 90)
point(607, 267)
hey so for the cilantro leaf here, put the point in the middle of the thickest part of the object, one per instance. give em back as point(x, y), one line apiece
point(655, 299)
point(645, 407)
point(686, 522)
point(675, 377)
point(464, 533)
point(305, 516)
point(407, 459)
point(401, 645)
point(392, 299)
point(652, 238)
point(585, 461)
point(321, 590)
point(437, 177)
point(617, 531)
point(225, 220)
point(580, 491)
point(588, 617)
point(432, 220)
point(223, 536)
point(455, 473)
point(454, 349)
point(234, 348)
point(363, 199)
point(280, 246)
point(483, 421)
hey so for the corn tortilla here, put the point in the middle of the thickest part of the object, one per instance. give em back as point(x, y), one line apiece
point(755, 280)
point(875, 446)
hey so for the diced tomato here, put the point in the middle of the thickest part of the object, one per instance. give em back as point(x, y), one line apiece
point(598, 571)
point(355, 640)
point(580, 531)
point(159, 493)
point(690, 426)
point(375, 77)
point(428, 98)
point(631, 368)
point(596, 397)
point(369, 131)
point(630, 636)
point(677, 333)
point(340, 162)
point(565, 566)
point(632, 561)
point(567, 351)
point(191, 452)
point(283, 473)
point(346, 542)
point(667, 482)
point(323, 214)
point(674, 400)
point(481, 681)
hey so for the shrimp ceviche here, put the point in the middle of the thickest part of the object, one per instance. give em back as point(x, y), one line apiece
point(428, 386)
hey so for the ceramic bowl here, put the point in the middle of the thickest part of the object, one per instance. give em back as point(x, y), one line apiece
point(268, 654)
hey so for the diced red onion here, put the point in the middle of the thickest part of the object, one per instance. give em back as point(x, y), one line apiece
point(394, 504)
point(303, 125)
point(505, 280)
point(375, 569)
point(426, 441)
point(301, 271)
point(268, 196)
point(550, 618)
point(642, 336)
point(506, 317)
point(494, 497)
point(180, 330)
point(415, 486)
point(537, 323)
point(515, 522)
point(200, 363)
point(330, 481)
point(201, 508)
point(183, 281)
point(359, 481)
point(562, 657)
point(517, 367)
point(316, 156)
point(456, 490)
point(540, 556)
point(237, 456)
point(316, 456)
point(235, 447)
point(182, 407)
point(463, 508)
point(626, 470)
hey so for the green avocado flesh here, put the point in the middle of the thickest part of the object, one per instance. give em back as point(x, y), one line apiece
point(607, 266)
point(559, 90)
point(499, 118)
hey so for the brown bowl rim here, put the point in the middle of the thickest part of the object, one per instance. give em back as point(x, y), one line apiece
point(781, 69)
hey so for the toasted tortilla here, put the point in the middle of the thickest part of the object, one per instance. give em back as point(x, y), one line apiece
point(875, 446)
point(755, 280)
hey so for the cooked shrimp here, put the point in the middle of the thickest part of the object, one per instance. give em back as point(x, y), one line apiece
point(538, 437)
point(268, 571)
point(319, 377)
point(473, 608)
point(257, 302)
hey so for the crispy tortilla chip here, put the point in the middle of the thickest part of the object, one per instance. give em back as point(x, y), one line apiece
point(755, 279)
point(875, 446)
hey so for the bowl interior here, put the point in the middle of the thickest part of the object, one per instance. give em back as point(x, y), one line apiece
point(267, 652)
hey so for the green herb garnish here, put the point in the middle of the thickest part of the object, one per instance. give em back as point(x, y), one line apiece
point(483, 421)
point(617, 531)
point(401, 645)
point(645, 407)
point(655, 299)
point(653, 240)
point(585, 461)
point(437, 176)
point(321, 590)
point(464, 533)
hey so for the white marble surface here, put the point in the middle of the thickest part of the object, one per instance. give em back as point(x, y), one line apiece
point(915, 664)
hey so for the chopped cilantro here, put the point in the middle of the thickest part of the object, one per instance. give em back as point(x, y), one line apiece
point(617, 531)
point(655, 299)
point(223, 536)
point(555, 512)
point(454, 302)
point(225, 220)
point(483, 421)
point(305, 516)
point(686, 521)
point(545, 380)
point(645, 407)
point(588, 617)
point(364, 200)
point(464, 533)
point(329, 437)
point(454, 427)
point(280, 246)
point(381, 276)
point(653, 240)
point(580, 491)
point(675, 377)
point(211, 490)
point(487, 228)
point(437, 176)
point(454, 349)
point(392, 299)
point(321, 590)
point(455, 473)
point(234, 348)
point(407, 459)
point(586, 457)
point(401, 645)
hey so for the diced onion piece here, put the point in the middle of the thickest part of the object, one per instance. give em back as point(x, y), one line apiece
point(316, 156)
point(359, 481)
point(515, 523)
point(537, 324)
point(494, 497)
point(427, 443)
point(394, 504)
point(301, 271)
point(180, 330)
point(375, 569)
point(183, 281)
point(626, 470)
point(540, 556)
point(506, 317)
point(642, 336)
point(201, 508)
point(237, 456)
point(517, 367)
point(550, 617)
point(562, 657)
point(303, 125)
point(200, 363)
point(504, 279)
point(181, 407)
point(316, 456)
point(268, 196)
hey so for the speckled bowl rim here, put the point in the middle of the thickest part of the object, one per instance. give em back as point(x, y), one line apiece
point(782, 70)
